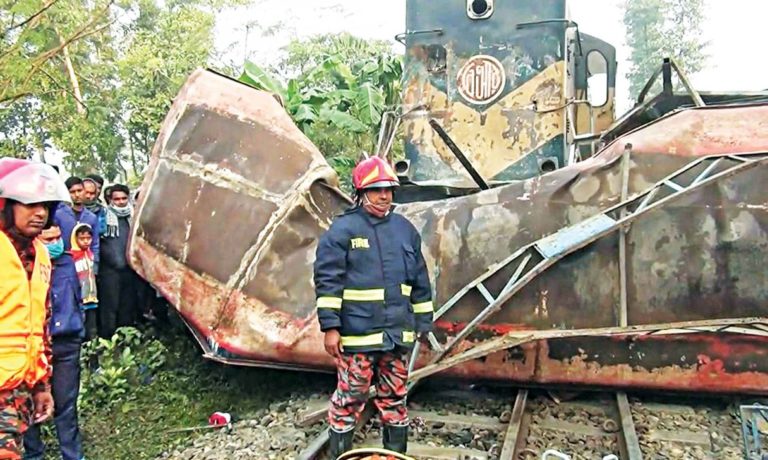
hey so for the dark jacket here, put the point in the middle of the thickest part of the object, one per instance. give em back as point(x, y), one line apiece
point(66, 218)
point(101, 215)
point(113, 248)
point(66, 315)
point(371, 282)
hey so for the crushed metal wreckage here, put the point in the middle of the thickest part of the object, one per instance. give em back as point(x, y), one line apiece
point(236, 197)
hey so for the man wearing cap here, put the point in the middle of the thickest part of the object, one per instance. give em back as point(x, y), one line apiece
point(28, 192)
point(92, 202)
point(373, 301)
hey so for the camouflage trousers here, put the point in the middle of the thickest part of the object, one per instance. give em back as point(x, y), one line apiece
point(355, 373)
point(15, 417)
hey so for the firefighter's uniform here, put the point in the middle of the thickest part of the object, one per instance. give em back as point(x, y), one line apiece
point(372, 286)
point(372, 283)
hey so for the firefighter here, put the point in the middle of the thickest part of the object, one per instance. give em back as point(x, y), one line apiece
point(373, 301)
point(28, 193)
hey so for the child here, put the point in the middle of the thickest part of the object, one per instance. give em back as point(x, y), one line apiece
point(82, 236)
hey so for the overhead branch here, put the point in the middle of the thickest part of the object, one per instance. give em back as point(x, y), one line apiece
point(34, 17)
point(63, 87)
point(45, 57)
point(72, 78)
point(15, 97)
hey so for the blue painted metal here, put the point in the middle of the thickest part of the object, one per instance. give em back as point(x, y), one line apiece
point(559, 242)
point(752, 416)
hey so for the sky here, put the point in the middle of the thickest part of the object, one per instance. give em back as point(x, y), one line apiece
point(733, 30)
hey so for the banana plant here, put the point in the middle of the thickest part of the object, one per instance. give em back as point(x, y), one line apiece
point(351, 97)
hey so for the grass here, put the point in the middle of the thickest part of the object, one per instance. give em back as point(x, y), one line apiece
point(183, 393)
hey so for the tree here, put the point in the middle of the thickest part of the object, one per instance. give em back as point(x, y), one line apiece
point(48, 50)
point(165, 45)
point(303, 55)
point(662, 28)
point(96, 78)
point(37, 38)
point(338, 92)
point(22, 135)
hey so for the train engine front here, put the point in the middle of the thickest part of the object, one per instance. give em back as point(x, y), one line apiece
point(513, 86)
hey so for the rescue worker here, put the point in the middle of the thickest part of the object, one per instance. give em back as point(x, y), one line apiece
point(66, 327)
point(28, 193)
point(373, 301)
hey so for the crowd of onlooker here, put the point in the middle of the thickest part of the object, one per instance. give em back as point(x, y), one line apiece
point(93, 291)
point(65, 280)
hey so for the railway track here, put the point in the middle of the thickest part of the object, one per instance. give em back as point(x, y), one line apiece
point(501, 424)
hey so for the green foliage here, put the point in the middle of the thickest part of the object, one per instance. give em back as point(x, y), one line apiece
point(301, 56)
point(53, 64)
point(22, 135)
point(656, 29)
point(259, 78)
point(96, 78)
point(124, 362)
point(184, 391)
point(166, 45)
point(344, 166)
point(337, 90)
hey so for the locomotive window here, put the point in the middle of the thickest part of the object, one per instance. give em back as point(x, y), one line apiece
point(597, 78)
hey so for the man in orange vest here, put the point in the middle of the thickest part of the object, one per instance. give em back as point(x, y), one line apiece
point(28, 192)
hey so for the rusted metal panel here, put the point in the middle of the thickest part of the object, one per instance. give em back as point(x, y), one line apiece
point(511, 107)
point(232, 211)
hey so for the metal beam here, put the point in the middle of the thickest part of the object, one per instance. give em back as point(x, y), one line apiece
point(514, 432)
point(459, 155)
point(623, 310)
point(687, 84)
point(629, 436)
point(570, 239)
point(666, 77)
point(516, 338)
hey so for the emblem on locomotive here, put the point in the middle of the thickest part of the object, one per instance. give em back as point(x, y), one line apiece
point(481, 79)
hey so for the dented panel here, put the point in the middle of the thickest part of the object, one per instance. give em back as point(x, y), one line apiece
point(233, 251)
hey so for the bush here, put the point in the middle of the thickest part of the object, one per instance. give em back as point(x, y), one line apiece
point(114, 368)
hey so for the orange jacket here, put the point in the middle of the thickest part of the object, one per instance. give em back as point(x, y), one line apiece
point(22, 317)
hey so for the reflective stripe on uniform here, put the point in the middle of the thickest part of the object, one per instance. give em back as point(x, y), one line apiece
point(362, 340)
point(329, 302)
point(364, 295)
point(406, 290)
point(409, 336)
point(423, 307)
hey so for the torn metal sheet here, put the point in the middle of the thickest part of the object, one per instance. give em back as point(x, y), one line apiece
point(236, 197)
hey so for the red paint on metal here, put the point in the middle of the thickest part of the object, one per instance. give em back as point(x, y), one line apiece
point(226, 319)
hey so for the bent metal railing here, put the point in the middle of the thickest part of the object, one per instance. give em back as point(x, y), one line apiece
point(535, 258)
point(547, 251)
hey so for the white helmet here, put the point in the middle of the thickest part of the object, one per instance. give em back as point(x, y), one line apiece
point(29, 182)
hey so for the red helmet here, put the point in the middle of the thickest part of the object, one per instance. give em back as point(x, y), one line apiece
point(374, 173)
point(28, 182)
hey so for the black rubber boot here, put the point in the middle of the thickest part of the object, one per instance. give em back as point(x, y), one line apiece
point(339, 443)
point(396, 438)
